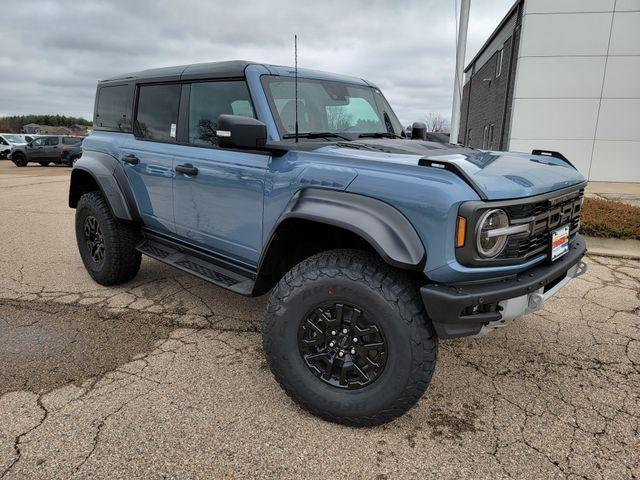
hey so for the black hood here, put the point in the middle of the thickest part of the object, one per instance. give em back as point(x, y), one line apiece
point(407, 147)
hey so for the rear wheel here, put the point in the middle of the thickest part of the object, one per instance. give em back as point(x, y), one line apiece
point(347, 338)
point(107, 245)
point(44, 164)
point(19, 159)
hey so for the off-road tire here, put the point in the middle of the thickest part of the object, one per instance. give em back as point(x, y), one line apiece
point(19, 160)
point(364, 279)
point(44, 164)
point(121, 260)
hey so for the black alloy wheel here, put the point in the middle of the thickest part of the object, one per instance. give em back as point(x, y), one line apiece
point(19, 160)
point(107, 245)
point(342, 345)
point(347, 337)
point(94, 239)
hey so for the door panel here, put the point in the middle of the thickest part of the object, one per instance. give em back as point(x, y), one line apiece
point(152, 182)
point(35, 151)
point(51, 148)
point(221, 206)
point(147, 157)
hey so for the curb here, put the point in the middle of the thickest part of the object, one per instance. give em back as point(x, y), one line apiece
point(613, 247)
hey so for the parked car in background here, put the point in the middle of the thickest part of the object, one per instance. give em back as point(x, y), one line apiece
point(8, 140)
point(57, 149)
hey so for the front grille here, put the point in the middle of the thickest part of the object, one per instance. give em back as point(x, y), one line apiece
point(542, 217)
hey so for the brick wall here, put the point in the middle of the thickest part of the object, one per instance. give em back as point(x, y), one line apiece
point(487, 99)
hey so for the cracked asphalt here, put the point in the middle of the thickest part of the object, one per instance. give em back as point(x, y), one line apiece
point(164, 377)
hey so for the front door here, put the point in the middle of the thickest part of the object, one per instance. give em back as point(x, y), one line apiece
point(218, 193)
point(35, 150)
point(147, 157)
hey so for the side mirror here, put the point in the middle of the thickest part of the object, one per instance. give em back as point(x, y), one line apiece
point(235, 131)
point(419, 131)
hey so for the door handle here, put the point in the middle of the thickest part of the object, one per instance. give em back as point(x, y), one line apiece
point(187, 169)
point(130, 158)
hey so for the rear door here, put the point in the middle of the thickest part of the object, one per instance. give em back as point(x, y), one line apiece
point(52, 148)
point(148, 155)
point(218, 206)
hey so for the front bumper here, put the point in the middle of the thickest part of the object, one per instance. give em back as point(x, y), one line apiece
point(459, 310)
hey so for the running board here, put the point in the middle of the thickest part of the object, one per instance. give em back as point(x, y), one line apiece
point(196, 263)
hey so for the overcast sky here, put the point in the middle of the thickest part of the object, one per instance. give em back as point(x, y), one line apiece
point(54, 51)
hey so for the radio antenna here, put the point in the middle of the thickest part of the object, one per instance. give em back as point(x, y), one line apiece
point(295, 54)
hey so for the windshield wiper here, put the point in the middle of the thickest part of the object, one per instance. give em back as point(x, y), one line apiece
point(315, 135)
point(378, 135)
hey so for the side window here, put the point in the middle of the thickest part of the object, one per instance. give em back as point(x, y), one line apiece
point(50, 141)
point(113, 109)
point(71, 140)
point(157, 113)
point(208, 100)
point(38, 142)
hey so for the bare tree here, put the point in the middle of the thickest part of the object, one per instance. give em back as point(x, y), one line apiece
point(338, 118)
point(437, 123)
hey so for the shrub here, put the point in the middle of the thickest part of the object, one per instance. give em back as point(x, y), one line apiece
point(606, 218)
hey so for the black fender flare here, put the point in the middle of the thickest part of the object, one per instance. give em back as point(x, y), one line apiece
point(108, 174)
point(384, 227)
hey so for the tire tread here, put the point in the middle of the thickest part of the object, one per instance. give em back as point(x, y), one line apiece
point(123, 260)
point(396, 288)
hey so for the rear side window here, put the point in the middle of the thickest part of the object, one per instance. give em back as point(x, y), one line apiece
point(112, 112)
point(51, 141)
point(208, 100)
point(157, 112)
point(71, 140)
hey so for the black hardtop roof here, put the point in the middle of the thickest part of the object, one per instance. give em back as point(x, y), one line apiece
point(230, 69)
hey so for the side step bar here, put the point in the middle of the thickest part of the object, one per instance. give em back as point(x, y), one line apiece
point(197, 263)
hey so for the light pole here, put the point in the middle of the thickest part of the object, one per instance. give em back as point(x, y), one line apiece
point(461, 48)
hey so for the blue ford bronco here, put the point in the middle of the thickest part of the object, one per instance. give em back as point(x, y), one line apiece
point(372, 246)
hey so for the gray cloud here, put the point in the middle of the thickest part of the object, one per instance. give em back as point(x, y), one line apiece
point(54, 52)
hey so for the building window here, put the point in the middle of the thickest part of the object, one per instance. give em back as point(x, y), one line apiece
point(499, 62)
point(487, 137)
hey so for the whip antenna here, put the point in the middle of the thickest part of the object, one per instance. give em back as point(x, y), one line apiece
point(295, 46)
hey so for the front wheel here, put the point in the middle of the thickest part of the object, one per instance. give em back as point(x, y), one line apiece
point(347, 337)
point(19, 159)
point(107, 245)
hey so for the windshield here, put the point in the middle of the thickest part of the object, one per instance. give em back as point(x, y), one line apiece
point(346, 109)
point(14, 138)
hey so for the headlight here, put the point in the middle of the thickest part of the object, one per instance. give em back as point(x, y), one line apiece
point(491, 236)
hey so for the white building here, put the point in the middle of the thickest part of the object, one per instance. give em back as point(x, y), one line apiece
point(573, 85)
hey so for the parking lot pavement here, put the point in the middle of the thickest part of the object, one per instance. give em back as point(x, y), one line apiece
point(164, 377)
